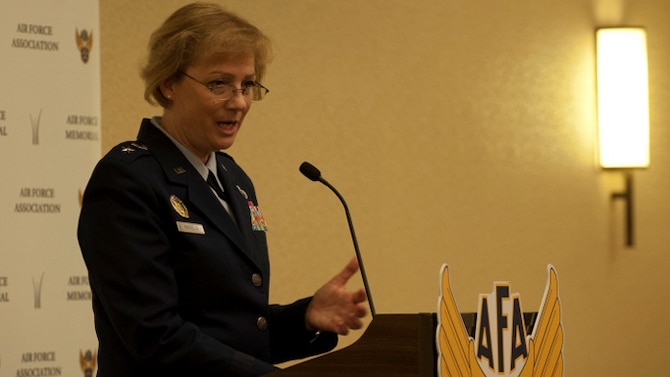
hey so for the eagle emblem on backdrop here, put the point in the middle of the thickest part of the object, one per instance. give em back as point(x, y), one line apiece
point(84, 43)
point(501, 346)
point(87, 362)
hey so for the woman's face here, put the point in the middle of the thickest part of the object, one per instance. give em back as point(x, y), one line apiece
point(195, 117)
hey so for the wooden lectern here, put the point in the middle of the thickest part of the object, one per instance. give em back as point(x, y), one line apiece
point(393, 345)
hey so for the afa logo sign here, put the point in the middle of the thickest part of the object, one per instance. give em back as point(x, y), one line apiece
point(501, 346)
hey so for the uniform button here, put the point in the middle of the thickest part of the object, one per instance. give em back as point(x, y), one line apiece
point(256, 280)
point(262, 323)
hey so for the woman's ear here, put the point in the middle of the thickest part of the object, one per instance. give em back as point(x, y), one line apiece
point(167, 88)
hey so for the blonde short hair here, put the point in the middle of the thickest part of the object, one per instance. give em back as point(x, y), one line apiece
point(193, 30)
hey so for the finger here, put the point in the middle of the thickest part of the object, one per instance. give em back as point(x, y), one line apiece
point(342, 329)
point(361, 311)
point(356, 324)
point(359, 296)
point(349, 270)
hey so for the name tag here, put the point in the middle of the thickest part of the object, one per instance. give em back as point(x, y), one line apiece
point(193, 228)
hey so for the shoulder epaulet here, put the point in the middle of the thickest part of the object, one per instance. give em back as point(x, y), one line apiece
point(131, 150)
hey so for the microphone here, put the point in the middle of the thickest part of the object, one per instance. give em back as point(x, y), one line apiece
point(310, 171)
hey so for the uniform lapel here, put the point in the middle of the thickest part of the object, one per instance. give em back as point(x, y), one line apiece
point(202, 197)
point(240, 206)
point(179, 171)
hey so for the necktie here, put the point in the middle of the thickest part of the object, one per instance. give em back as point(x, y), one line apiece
point(211, 179)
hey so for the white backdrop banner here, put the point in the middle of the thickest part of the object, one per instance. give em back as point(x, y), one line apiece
point(49, 142)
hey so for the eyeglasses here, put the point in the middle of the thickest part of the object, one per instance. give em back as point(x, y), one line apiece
point(251, 91)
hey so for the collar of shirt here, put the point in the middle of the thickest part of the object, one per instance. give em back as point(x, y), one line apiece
point(202, 169)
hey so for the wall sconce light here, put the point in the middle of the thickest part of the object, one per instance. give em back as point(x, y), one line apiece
point(623, 107)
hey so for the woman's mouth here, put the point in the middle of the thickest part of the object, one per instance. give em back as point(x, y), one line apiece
point(228, 128)
point(227, 124)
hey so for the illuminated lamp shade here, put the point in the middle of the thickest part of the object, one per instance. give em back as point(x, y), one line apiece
point(623, 97)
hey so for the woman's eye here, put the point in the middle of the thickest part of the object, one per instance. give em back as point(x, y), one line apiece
point(249, 84)
point(217, 83)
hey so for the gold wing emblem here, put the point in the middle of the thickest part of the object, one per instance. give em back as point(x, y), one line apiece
point(87, 362)
point(84, 43)
point(545, 344)
point(83, 39)
point(456, 354)
point(456, 349)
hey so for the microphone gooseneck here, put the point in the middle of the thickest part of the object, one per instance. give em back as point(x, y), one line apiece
point(310, 171)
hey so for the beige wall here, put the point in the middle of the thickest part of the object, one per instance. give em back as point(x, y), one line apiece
point(460, 132)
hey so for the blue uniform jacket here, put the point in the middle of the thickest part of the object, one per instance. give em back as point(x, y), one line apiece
point(179, 289)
